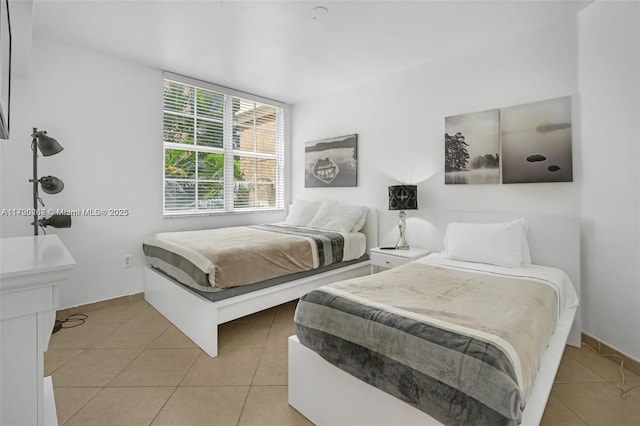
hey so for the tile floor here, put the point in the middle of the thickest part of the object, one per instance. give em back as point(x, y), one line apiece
point(127, 365)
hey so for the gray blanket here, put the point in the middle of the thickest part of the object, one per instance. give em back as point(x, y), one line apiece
point(214, 259)
point(462, 347)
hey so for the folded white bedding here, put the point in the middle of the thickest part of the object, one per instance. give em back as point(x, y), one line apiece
point(547, 274)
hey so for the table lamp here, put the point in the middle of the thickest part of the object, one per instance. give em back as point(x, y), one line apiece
point(403, 197)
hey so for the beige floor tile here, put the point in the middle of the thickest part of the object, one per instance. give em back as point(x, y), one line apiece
point(203, 405)
point(273, 367)
point(233, 366)
point(246, 335)
point(253, 351)
point(284, 313)
point(134, 334)
point(121, 313)
point(94, 367)
point(84, 336)
point(556, 414)
point(268, 405)
point(157, 367)
point(90, 307)
point(56, 358)
point(279, 335)
point(599, 404)
point(601, 365)
point(172, 338)
point(571, 370)
point(122, 406)
point(70, 400)
point(149, 314)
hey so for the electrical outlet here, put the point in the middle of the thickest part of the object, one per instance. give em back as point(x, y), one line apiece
point(128, 261)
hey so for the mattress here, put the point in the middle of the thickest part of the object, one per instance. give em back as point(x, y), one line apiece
point(456, 340)
point(214, 296)
point(216, 259)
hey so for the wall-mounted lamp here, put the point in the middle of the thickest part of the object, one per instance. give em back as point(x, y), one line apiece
point(403, 197)
point(56, 220)
point(50, 184)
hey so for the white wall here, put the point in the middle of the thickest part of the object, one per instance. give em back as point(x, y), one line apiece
point(400, 124)
point(609, 75)
point(107, 113)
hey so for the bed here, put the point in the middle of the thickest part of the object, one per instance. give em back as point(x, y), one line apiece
point(200, 279)
point(417, 369)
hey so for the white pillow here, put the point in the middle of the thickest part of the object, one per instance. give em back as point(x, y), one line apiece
point(301, 212)
point(494, 243)
point(334, 216)
point(364, 212)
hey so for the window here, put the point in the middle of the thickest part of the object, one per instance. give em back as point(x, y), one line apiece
point(223, 149)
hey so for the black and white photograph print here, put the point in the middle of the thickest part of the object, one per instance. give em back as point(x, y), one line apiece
point(472, 147)
point(536, 142)
point(331, 162)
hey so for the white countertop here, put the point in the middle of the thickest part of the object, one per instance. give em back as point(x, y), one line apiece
point(33, 261)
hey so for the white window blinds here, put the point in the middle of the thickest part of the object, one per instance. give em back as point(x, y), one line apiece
point(222, 152)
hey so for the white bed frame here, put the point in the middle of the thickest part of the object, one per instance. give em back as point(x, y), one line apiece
point(198, 317)
point(326, 395)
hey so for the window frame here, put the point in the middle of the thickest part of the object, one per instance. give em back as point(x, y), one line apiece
point(280, 156)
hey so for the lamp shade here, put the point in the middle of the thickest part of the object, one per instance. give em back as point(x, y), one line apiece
point(51, 184)
point(46, 144)
point(57, 221)
point(403, 197)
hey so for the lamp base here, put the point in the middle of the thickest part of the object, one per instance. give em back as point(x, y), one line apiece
point(402, 226)
point(402, 245)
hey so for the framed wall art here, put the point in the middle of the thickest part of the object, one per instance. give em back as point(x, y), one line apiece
point(526, 143)
point(536, 142)
point(472, 146)
point(331, 162)
point(5, 69)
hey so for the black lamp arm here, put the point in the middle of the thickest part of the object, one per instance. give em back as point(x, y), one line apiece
point(34, 148)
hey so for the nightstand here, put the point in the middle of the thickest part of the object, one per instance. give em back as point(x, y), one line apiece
point(391, 258)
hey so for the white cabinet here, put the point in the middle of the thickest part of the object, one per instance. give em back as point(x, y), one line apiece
point(31, 268)
point(381, 258)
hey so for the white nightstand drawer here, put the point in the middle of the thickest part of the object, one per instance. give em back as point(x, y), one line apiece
point(387, 260)
point(381, 258)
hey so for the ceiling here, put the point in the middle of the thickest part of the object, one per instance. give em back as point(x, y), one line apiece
point(275, 48)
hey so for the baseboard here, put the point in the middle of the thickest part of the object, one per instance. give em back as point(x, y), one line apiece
point(630, 364)
point(64, 313)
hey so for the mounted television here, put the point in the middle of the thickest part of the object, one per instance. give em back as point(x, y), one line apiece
point(5, 68)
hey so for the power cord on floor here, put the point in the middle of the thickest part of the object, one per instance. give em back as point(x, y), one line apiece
point(72, 320)
point(623, 392)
